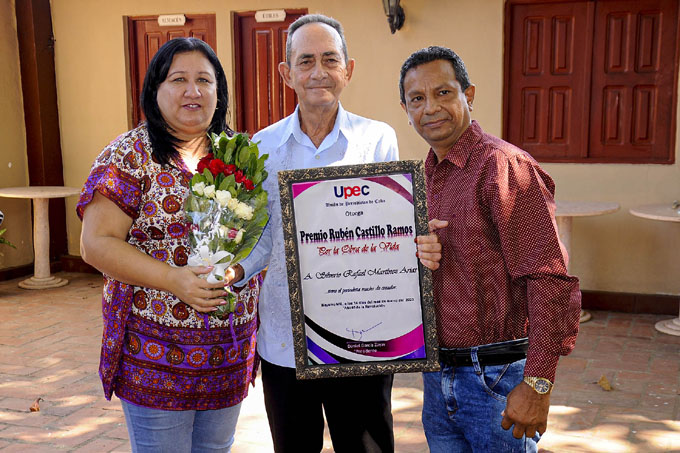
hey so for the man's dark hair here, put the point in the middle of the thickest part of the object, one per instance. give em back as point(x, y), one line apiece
point(434, 53)
point(163, 143)
point(310, 19)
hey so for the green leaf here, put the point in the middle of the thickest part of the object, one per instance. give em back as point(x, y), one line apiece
point(223, 141)
point(246, 195)
point(261, 217)
point(262, 197)
point(230, 182)
point(208, 177)
point(260, 162)
point(229, 151)
point(243, 155)
point(242, 254)
point(5, 241)
point(192, 203)
point(252, 166)
point(240, 140)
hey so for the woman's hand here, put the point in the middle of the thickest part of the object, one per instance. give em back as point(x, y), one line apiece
point(429, 247)
point(186, 283)
point(104, 245)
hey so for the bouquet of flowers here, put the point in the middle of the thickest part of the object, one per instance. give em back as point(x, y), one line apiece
point(227, 207)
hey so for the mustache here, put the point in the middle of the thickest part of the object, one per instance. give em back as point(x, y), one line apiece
point(427, 120)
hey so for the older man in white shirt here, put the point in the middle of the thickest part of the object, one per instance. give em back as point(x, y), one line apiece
point(319, 133)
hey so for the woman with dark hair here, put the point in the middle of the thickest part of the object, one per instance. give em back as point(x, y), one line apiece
point(181, 376)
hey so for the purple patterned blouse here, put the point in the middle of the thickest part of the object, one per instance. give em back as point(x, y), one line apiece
point(156, 350)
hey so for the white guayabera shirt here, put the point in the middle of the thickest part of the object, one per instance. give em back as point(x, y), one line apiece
point(353, 140)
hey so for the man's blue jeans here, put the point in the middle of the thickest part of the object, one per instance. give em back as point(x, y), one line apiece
point(462, 409)
point(156, 430)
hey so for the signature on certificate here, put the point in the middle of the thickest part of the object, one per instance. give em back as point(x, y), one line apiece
point(358, 334)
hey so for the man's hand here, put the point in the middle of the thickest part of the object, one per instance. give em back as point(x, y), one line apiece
point(429, 247)
point(234, 274)
point(527, 410)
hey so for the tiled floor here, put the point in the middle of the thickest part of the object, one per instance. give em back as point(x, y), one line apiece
point(49, 349)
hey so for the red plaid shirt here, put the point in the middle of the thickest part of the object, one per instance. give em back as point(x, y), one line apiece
point(503, 272)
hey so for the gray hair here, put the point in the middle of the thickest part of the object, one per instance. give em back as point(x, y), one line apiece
point(311, 19)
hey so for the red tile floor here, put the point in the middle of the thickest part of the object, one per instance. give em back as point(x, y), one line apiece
point(49, 348)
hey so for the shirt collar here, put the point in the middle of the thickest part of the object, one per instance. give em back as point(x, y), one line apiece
point(292, 128)
point(461, 150)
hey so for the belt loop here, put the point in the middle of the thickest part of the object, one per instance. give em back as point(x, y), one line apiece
point(475, 360)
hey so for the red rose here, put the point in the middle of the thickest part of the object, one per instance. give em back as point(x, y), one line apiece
point(203, 163)
point(232, 233)
point(229, 170)
point(239, 176)
point(216, 167)
point(249, 184)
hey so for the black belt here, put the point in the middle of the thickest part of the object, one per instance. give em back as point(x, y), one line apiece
point(488, 354)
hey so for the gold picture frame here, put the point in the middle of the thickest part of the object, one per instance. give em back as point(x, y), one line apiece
point(394, 289)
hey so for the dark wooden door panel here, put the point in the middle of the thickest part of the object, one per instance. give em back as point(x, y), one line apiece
point(632, 103)
point(548, 75)
point(261, 96)
point(145, 37)
point(592, 80)
point(265, 58)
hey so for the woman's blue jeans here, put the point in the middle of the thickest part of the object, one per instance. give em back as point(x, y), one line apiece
point(157, 430)
point(462, 409)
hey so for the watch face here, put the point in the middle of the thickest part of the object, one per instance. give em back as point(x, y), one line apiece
point(542, 386)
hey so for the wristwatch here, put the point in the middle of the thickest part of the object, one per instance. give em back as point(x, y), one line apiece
point(539, 384)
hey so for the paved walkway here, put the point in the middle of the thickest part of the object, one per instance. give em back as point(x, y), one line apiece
point(49, 349)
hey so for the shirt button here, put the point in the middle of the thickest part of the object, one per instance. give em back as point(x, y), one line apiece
point(317, 157)
point(283, 345)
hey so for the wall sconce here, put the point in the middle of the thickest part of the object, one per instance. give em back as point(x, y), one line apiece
point(394, 13)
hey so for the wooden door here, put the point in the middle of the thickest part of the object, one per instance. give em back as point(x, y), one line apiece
point(262, 98)
point(548, 72)
point(611, 98)
point(145, 37)
point(633, 84)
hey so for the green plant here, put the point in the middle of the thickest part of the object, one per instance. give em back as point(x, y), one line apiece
point(5, 241)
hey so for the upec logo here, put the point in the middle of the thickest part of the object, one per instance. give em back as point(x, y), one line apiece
point(350, 191)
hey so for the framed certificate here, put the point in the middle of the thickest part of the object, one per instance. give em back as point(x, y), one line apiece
point(361, 302)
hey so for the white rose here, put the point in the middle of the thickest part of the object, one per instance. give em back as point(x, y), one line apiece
point(239, 211)
point(239, 236)
point(232, 204)
point(224, 231)
point(244, 211)
point(209, 191)
point(222, 197)
point(198, 188)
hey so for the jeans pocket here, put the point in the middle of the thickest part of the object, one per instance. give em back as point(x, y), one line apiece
point(494, 381)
